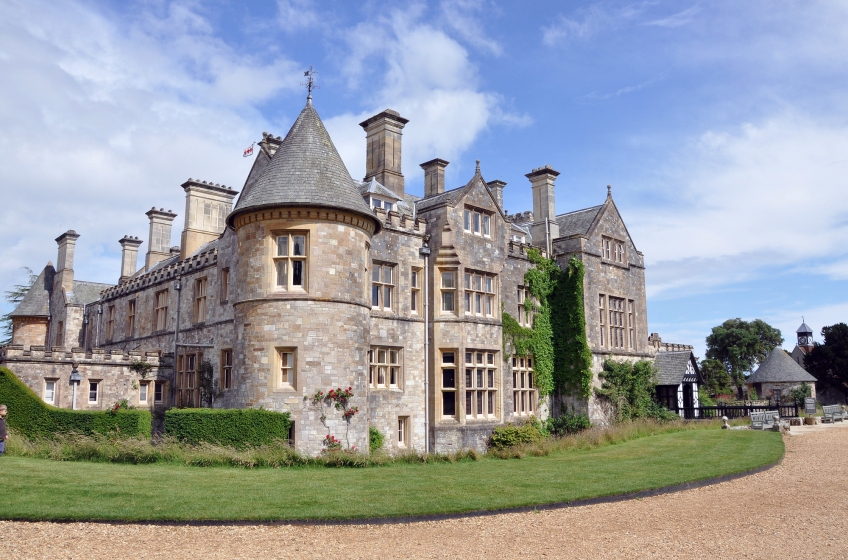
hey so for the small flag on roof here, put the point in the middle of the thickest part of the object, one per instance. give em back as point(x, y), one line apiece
point(248, 151)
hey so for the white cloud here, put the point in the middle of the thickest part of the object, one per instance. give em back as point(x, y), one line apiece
point(676, 20)
point(425, 75)
point(294, 15)
point(461, 17)
point(769, 194)
point(102, 119)
point(584, 24)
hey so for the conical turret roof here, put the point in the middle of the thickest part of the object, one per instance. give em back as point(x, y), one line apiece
point(306, 170)
point(779, 367)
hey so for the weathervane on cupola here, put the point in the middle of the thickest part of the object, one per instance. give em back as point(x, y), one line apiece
point(310, 82)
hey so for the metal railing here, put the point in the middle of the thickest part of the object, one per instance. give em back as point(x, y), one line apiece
point(738, 411)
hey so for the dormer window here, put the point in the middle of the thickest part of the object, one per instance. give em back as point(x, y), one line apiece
point(517, 238)
point(375, 202)
point(612, 250)
point(477, 222)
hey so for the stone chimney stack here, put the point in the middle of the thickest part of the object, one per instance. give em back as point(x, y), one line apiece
point(207, 207)
point(497, 188)
point(160, 236)
point(129, 256)
point(65, 262)
point(542, 180)
point(434, 176)
point(383, 149)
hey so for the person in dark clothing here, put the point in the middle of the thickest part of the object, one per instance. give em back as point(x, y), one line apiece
point(4, 434)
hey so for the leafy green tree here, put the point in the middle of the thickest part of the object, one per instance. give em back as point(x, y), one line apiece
point(15, 296)
point(828, 362)
point(741, 345)
point(630, 388)
point(716, 379)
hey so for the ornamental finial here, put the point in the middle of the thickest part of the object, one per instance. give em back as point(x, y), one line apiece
point(609, 190)
point(478, 167)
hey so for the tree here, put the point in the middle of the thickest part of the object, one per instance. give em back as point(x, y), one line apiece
point(15, 296)
point(742, 345)
point(716, 379)
point(828, 362)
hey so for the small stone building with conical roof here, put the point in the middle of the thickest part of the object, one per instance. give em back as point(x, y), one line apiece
point(312, 280)
point(779, 374)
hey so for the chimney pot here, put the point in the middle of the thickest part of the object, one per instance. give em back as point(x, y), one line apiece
point(434, 176)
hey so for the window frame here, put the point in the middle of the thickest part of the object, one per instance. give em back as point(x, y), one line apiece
point(160, 312)
point(477, 221)
point(110, 323)
point(226, 369)
point(448, 290)
point(95, 383)
point(280, 382)
point(380, 364)
point(224, 287)
point(290, 260)
point(479, 300)
point(201, 286)
point(448, 393)
point(132, 308)
point(54, 391)
point(415, 275)
point(382, 287)
point(480, 385)
point(145, 385)
point(616, 312)
point(159, 392)
point(402, 432)
point(525, 394)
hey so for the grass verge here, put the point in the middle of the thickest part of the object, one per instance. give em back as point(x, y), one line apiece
point(38, 489)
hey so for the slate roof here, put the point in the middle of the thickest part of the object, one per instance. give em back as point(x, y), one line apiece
point(446, 197)
point(306, 170)
point(779, 367)
point(36, 301)
point(405, 205)
point(86, 292)
point(577, 222)
point(671, 368)
point(804, 328)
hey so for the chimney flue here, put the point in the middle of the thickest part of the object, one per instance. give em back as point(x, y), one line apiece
point(383, 133)
point(129, 256)
point(160, 236)
point(544, 228)
point(65, 262)
point(497, 188)
point(434, 176)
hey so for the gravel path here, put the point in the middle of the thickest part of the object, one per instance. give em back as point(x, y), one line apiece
point(797, 509)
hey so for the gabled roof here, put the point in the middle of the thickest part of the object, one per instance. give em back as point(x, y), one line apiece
point(306, 170)
point(779, 367)
point(577, 222)
point(403, 205)
point(451, 197)
point(804, 329)
point(672, 366)
point(86, 292)
point(36, 302)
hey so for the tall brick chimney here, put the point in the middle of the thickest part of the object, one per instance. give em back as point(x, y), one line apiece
point(542, 180)
point(65, 262)
point(434, 176)
point(160, 236)
point(129, 256)
point(383, 149)
point(207, 208)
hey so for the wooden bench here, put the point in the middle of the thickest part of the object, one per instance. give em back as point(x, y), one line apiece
point(831, 413)
point(757, 420)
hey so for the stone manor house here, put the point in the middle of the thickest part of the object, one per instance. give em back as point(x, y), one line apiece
point(312, 280)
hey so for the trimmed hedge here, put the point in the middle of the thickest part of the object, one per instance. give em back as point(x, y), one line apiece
point(237, 428)
point(32, 417)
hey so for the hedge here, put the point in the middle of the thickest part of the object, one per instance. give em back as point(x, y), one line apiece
point(237, 428)
point(33, 418)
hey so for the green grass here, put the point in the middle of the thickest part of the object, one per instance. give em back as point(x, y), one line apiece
point(53, 490)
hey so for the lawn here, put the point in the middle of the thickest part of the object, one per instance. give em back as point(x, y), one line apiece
point(52, 490)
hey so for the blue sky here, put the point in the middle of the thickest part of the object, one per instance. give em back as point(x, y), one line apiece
point(722, 126)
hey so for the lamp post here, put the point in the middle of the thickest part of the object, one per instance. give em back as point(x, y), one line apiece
point(75, 381)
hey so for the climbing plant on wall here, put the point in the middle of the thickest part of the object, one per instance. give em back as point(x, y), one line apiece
point(557, 339)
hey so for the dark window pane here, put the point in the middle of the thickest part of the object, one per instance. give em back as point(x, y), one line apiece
point(297, 273)
point(448, 404)
point(449, 378)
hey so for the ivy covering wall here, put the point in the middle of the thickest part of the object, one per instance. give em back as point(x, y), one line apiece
point(32, 417)
point(557, 340)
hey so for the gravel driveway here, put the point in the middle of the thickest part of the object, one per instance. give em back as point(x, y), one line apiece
point(798, 509)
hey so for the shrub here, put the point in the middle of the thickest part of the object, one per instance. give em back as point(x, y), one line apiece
point(238, 428)
point(32, 417)
point(568, 423)
point(375, 439)
point(510, 435)
point(706, 400)
point(800, 393)
point(630, 389)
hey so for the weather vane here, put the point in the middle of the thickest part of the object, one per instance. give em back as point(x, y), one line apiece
point(310, 81)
